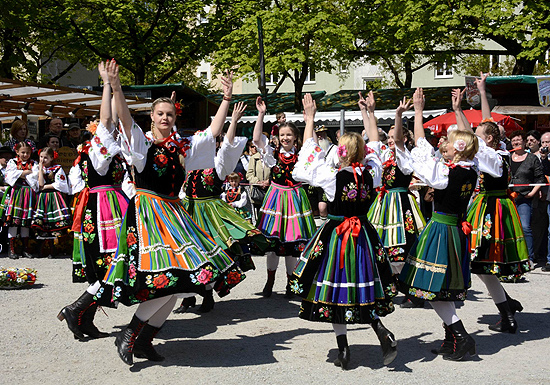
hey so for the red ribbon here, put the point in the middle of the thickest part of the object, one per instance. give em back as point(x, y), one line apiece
point(466, 227)
point(349, 225)
point(84, 150)
point(81, 203)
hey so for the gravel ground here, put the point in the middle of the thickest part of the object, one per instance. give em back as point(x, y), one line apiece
point(252, 340)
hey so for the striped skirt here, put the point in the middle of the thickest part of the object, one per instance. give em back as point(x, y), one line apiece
point(161, 252)
point(397, 218)
point(52, 213)
point(438, 265)
point(497, 243)
point(286, 217)
point(17, 207)
point(344, 275)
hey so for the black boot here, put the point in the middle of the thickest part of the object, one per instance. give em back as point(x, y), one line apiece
point(143, 348)
point(126, 339)
point(447, 347)
point(464, 343)
point(288, 291)
point(343, 352)
point(411, 302)
point(11, 253)
point(515, 305)
point(186, 303)
point(26, 253)
point(73, 314)
point(87, 322)
point(507, 323)
point(207, 302)
point(268, 288)
point(387, 341)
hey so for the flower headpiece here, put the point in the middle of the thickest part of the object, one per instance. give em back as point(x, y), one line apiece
point(342, 152)
point(92, 127)
point(179, 108)
point(460, 145)
point(55, 154)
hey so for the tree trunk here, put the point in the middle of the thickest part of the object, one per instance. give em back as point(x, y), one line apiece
point(408, 74)
point(524, 67)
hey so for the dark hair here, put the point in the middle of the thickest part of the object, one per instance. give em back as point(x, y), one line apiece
point(50, 136)
point(22, 144)
point(48, 151)
point(295, 131)
point(518, 133)
point(491, 128)
point(535, 134)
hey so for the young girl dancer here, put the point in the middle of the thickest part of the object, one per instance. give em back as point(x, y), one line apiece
point(96, 176)
point(344, 274)
point(236, 196)
point(497, 241)
point(19, 200)
point(52, 214)
point(218, 219)
point(438, 266)
point(162, 251)
point(395, 213)
point(286, 218)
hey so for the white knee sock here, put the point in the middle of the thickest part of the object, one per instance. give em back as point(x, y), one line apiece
point(24, 232)
point(93, 288)
point(340, 329)
point(290, 263)
point(494, 286)
point(446, 310)
point(272, 260)
point(12, 232)
point(158, 319)
point(147, 309)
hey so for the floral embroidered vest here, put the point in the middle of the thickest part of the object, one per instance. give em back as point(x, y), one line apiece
point(350, 199)
point(489, 183)
point(392, 175)
point(455, 197)
point(113, 177)
point(281, 173)
point(203, 184)
point(163, 173)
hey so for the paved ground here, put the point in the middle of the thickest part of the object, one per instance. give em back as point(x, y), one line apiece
point(247, 339)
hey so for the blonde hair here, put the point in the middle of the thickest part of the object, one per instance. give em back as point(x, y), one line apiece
point(472, 145)
point(355, 148)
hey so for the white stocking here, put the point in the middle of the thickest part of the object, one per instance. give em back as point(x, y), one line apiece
point(93, 288)
point(158, 319)
point(272, 260)
point(446, 310)
point(147, 309)
point(290, 263)
point(340, 329)
point(494, 286)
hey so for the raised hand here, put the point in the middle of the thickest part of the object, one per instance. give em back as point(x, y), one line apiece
point(112, 72)
point(101, 67)
point(456, 98)
point(481, 82)
point(371, 102)
point(310, 107)
point(419, 99)
point(260, 105)
point(238, 111)
point(404, 105)
point(227, 85)
point(173, 97)
point(362, 102)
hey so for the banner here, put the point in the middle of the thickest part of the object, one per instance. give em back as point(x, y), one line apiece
point(543, 85)
point(472, 93)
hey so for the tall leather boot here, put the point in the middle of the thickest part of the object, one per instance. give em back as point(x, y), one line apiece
point(73, 313)
point(143, 348)
point(126, 340)
point(288, 291)
point(344, 354)
point(186, 303)
point(11, 252)
point(207, 302)
point(26, 253)
point(87, 322)
point(387, 341)
point(447, 347)
point(268, 288)
point(515, 305)
point(464, 343)
point(507, 323)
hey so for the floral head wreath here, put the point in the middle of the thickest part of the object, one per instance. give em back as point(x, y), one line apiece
point(28, 142)
point(92, 127)
point(460, 145)
point(179, 108)
point(342, 152)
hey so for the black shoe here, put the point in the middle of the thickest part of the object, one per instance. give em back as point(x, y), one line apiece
point(27, 255)
point(515, 305)
point(448, 345)
point(186, 303)
point(73, 314)
point(207, 302)
point(126, 339)
point(412, 304)
point(387, 341)
point(344, 354)
point(507, 323)
point(268, 288)
point(288, 291)
point(464, 343)
point(143, 347)
point(546, 267)
point(87, 323)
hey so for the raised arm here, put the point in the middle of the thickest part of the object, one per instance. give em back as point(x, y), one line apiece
point(219, 120)
point(482, 87)
point(258, 128)
point(310, 108)
point(120, 101)
point(362, 103)
point(372, 130)
point(105, 111)
point(398, 137)
point(238, 111)
point(461, 120)
point(418, 102)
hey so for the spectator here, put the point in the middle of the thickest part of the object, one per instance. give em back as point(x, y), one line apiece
point(545, 143)
point(52, 141)
point(258, 177)
point(55, 127)
point(18, 133)
point(73, 136)
point(504, 138)
point(533, 142)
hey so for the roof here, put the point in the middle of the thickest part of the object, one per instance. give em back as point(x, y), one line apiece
point(38, 98)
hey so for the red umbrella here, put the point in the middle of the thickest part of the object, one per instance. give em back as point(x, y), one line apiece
point(439, 125)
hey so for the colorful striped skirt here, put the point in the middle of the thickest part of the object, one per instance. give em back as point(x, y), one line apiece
point(438, 265)
point(17, 207)
point(161, 252)
point(497, 243)
point(397, 218)
point(344, 275)
point(97, 224)
point(52, 213)
point(286, 218)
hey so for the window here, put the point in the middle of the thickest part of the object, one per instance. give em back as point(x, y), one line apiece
point(204, 76)
point(310, 76)
point(372, 83)
point(272, 79)
point(493, 62)
point(443, 70)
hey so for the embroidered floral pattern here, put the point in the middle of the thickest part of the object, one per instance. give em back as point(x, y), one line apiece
point(421, 294)
point(317, 250)
point(487, 227)
point(409, 222)
point(105, 260)
point(118, 172)
point(131, 238)
point(466, 190)
point(350, 193)
point(208, 179)
point(204, 276)
point(88, 227)
point(296, 287)
point(160, 161)
point(102, 149)
point(351, 314)
point(325, 312)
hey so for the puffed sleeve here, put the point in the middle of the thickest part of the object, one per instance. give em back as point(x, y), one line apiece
point(228, 156)
point(128, 186)
point(200, 154)
point(12, 173)
point(402, 162)
point(373, 163)
point(488, 160)
point(102, 149)
point(76, 182)
point(60, 181)
point(135, 149)
point(32, 179)
point(432, 172)
point(312, 168)
point(241, 202)
point(266, 152)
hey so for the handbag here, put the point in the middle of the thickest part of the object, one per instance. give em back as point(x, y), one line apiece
point(257, 195)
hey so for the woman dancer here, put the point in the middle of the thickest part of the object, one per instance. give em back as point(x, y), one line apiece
point(19, 200)
point(497, 241)
point(221, 221)
point(395, 213)
point(286, 218)
point(438, 266)
point(162, 251)
point(344, 274)
point(96, 177)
